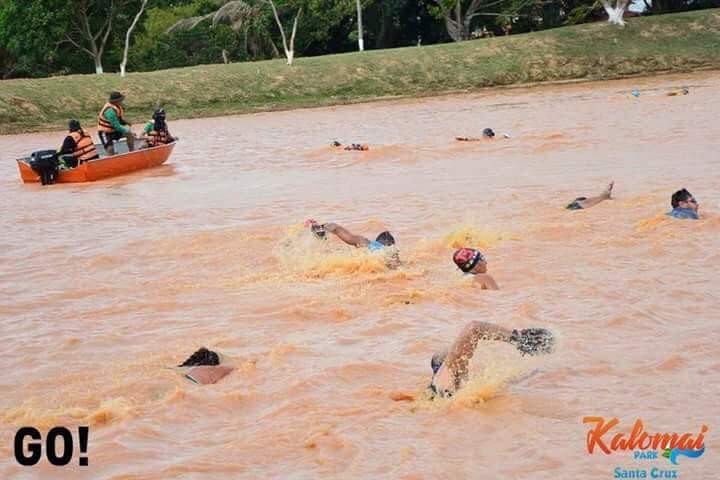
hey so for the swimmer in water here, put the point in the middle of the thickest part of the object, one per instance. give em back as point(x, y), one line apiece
point(450, 366)
point(582, 203)
point(684, 205)
point(472, 262)
point(488, 134)
point(383, 243)
point(205, 367)
point(353, 146)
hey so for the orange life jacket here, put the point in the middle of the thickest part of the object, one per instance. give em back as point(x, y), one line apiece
point(84, 146)
point(103, 124)
point(158, 138)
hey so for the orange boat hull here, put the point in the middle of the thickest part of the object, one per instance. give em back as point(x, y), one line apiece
point(104, 167)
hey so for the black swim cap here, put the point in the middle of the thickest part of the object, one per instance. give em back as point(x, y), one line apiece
point(386, 238)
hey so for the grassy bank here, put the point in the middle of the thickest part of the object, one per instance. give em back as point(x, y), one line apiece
point(668, 43)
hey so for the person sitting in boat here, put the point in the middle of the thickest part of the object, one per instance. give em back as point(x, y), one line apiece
point(471, 262)
point(353, 146)
point(156, 130)
point(112, 126)
point(78, 147)
point(384, 243)
point(451, 367)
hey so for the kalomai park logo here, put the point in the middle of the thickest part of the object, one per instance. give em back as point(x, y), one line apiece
point(604, 438)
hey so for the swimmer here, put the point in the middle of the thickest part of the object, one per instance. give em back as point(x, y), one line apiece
point(450, 366)
point(582, 203)
point(675, 93)
point(205, 367)
point(353, 146)
point(684, 205)
point(488, 134)
point(472, 262)
point(384, 242)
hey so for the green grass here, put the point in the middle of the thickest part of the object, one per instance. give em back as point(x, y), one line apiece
point(658, 44)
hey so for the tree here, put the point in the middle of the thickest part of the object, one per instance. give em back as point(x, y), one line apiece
point(289, 49)
point(91, 25)
point(143, 4)
point(615, 10)
point(457, 18)
point(361, 43)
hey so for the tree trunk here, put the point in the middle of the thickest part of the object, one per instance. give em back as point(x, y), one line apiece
point(289, 50)
point(127, 37)
point(361, 43)
point(98, 65)
point(615, 13)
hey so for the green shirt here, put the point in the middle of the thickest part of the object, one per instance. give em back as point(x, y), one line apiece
point(111, 117)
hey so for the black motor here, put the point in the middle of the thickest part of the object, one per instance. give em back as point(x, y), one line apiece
point(45, 164)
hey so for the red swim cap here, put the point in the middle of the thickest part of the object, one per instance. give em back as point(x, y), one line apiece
point(467, 258)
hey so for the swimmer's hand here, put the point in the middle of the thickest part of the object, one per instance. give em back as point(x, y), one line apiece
point(533, 341)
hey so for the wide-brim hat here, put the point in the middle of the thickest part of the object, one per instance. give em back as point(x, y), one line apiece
point(116, 97)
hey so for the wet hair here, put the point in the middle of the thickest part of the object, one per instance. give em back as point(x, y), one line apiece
point(488, 132)
point(467, 265)
point(335, 143)
point(679, 196)
point(74, 126)
point(386, 238)
point(202, 357)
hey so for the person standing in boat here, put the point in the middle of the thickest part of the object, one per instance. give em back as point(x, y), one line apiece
point(112, 126)
point(78, 147)
point(156, 130)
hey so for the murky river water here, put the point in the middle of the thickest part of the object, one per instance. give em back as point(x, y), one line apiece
point(105, 284)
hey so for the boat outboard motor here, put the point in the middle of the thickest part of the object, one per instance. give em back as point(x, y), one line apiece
point(45, 164)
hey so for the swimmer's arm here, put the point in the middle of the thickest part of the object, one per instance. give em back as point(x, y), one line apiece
point(456, 363)
point(345, 235)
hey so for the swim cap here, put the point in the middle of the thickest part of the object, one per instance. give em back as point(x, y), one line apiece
point(467, 258)
point(385, 238)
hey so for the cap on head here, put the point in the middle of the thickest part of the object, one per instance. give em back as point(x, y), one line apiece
point(488, 132)
point(116, 97)
point(467, 258)
point(386, 238)
point(679, 196)
point(74, 126)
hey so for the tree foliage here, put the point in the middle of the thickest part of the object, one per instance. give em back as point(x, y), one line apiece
point(45, 37)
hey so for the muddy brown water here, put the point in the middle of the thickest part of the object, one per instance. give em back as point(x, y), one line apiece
point(105, 284)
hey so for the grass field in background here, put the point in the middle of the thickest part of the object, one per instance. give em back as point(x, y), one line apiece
point(655, 44)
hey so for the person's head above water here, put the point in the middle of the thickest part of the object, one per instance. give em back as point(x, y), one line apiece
point(74, 126)
point(684, 199)
point(488, 133)
point(386, 239)
point(470, 260)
